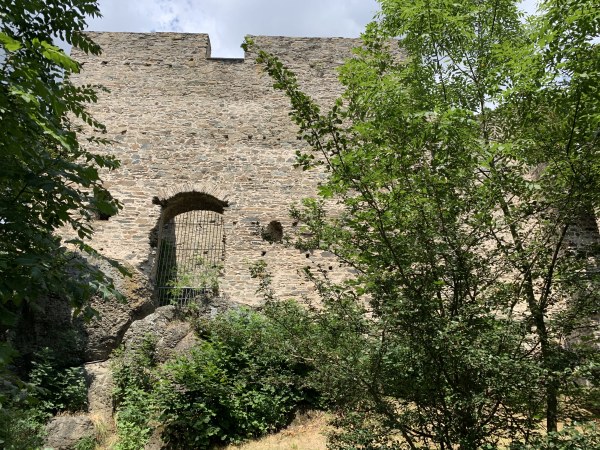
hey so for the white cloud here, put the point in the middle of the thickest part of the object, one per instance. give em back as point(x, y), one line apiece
point(228, 21)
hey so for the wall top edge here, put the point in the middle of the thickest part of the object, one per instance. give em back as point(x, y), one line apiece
point(164, 42)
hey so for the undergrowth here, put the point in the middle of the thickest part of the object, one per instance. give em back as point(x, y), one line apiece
point(52, 386)
point(241, 381)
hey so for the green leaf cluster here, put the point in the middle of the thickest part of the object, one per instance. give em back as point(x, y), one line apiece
point(49, 182)
point(465, 155)
point(53, 386)
point(242, 380)
point(58, 387)
point(49, 178)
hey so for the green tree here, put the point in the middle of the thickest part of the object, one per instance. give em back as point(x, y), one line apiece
point(48, 178)
point(465, 159)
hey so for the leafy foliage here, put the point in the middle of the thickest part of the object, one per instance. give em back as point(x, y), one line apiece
point(239, 382)
point(57, 388)
point(133, 373)
point(201, 280)
point(53, 386)
point(20, 424)
point(466, 160)
point(572, 437)
point(20, 428)
point(48, 179)
point(86, 443)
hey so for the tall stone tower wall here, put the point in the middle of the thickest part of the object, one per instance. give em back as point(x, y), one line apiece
point(181, 121)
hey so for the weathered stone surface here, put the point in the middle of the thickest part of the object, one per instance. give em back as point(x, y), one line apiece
point(182, 121)
point(52, 323)
point(104, 333)
point(155, 325)
point(186, 344)
point(169, 327)
point(170, 338)
point(100, 387)
point(65, 431)
point(172, 334)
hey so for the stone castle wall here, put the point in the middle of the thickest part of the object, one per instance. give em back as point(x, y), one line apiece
point(181, 121)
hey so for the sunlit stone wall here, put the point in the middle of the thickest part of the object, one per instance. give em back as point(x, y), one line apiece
point(180, 120)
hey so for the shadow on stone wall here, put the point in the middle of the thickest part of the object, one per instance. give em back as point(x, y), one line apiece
point(105, 332)
point(48, 325)
point(51, 323)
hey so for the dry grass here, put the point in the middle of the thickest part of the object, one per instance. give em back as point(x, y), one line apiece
point(105, 431)
point(306, 432)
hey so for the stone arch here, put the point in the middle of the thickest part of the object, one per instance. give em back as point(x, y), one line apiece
point(190, 241)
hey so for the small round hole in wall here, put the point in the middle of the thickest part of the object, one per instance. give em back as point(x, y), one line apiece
point(273, 232)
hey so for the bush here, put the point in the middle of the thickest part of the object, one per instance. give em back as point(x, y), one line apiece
point(134, 420)
point(20, 427)
point(26, 407)
point(573, 437)
point(58, 388)
point(242, 381)
point(86, 443)
point(134, 388)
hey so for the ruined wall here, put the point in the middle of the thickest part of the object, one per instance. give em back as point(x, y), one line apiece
point(182, 121)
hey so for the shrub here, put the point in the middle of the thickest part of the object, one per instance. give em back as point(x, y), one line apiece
point(134, 419)
point(242, 380)
point(58, 388)
point(86, 443)
point(26, 407)
point(134, 379)
point(20, 427)
point(572, 437)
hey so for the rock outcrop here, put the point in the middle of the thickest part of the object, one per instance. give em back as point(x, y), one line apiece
point(104, 333)
point(65, 431)
point(100, 388)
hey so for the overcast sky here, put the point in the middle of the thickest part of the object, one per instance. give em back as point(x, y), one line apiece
point(228, 21)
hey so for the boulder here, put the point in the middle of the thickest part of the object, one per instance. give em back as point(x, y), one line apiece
point(154, 325)
point(63, 432)
point(51, 323)
point(185, 345)
point(168, 330)
point(170, 338)
point(104, 333)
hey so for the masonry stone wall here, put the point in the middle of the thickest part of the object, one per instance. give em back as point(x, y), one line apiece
point(181, 121)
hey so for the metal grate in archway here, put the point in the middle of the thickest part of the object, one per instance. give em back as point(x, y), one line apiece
point(191, 250)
